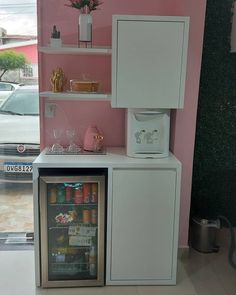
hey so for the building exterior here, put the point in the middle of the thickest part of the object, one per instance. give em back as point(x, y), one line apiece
point(26, 45)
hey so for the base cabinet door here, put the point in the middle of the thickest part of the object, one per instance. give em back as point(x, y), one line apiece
point(144, 230)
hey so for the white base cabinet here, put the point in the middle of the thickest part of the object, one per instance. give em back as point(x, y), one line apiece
point(142, 214)
point(144, 217)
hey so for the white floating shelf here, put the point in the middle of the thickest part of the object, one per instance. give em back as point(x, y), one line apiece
point(73, 49)
point(76, 96)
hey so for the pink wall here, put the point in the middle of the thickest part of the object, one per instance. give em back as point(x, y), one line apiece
point(111, 121)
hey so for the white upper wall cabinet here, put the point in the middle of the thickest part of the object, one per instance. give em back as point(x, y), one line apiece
point(149, 57)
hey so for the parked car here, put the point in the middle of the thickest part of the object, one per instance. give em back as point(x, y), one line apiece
point(6, 88)
point(19, 134)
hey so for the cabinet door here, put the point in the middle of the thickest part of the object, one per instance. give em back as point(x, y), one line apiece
point(143, 239)
point(149, 62)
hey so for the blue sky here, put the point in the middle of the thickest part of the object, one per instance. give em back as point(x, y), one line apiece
point(18, 16)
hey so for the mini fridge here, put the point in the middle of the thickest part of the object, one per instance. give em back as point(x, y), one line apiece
point(72, 224)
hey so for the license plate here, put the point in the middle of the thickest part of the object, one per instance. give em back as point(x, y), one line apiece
point(18, 168)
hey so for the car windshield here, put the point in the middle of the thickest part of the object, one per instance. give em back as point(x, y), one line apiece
point(22, 102)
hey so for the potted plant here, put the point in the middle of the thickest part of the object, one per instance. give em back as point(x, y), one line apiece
point(55, 40)
point(85, 18)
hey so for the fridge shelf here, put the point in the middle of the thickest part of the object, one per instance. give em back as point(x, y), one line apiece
point(75, 217)
point(71, 224)
point(70, 272)
point(79, 246)
point(69, 263)
point(72, 204)
point(67, 269)
point(67, 251)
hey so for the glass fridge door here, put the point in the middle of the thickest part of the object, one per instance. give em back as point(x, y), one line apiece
point(72, 230)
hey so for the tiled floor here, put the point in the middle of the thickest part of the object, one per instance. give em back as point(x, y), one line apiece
point(198, 274)
point(211, 273)
point(16, 208)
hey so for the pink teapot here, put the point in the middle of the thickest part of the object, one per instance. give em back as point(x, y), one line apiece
point(93, 140)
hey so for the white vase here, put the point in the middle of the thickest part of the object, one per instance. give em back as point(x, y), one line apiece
point(85, 28)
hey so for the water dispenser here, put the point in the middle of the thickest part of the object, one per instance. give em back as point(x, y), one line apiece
point(147, 133)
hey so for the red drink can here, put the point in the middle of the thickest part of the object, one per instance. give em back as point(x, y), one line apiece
point(53, 195)
point(86, 192)
point(86, 216)
point(78, 195)
point(68, 194)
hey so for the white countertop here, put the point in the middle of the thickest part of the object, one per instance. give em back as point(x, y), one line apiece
point(115, 157)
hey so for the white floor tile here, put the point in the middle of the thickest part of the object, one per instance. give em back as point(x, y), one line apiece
point(17, 277)
point(198, 274)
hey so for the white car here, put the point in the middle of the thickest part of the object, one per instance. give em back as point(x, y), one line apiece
point(19, 134)
point(6, 89)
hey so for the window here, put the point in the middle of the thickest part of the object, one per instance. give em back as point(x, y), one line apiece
point(27, 71)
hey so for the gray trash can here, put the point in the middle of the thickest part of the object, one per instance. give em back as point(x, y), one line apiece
point(203, 234)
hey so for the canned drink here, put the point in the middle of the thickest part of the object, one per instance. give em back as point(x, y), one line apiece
point(94, 193)
point(53, 195)
point(68, 194)
point(86, 216)
point(61, 194)
point(86, 192)
point(94, 216)
point(78, 195)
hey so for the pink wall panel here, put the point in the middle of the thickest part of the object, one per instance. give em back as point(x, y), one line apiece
point(111, 121)
point(88, 113)
point(51, 12)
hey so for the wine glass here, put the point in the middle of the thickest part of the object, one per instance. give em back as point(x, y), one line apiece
point(73, 147)
point(57, 147)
